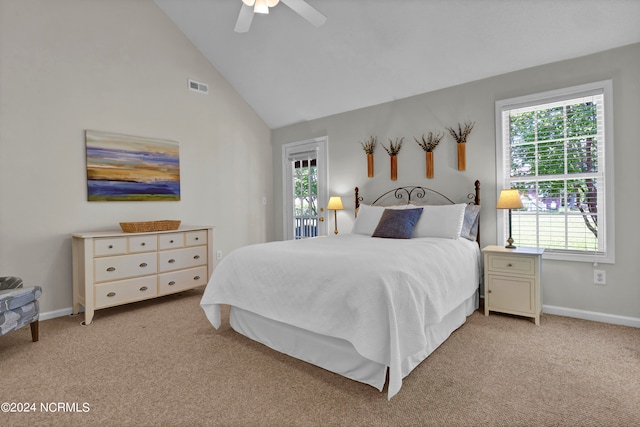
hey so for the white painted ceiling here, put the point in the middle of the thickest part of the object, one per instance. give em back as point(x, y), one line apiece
point(373, 51)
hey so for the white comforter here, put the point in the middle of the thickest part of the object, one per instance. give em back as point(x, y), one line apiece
point(378, 294)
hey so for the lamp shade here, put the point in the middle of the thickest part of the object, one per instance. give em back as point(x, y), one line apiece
point(509, 199)
point(335, 203)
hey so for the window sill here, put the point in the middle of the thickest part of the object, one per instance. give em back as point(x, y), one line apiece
point(600, 259)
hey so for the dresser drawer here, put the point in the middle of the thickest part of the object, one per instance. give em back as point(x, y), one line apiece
point(196, 238)
point(182, 258)
point(125, 266)
point(143, 243)
point(125, 291)
point(524, 265)
point(106, 247)
point(180, 280)
point(171, 241)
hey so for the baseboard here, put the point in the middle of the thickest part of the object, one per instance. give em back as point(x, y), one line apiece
point(592, 315)
point(58, 313)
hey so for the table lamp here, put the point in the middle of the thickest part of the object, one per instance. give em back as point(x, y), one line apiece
point(335, 204)
point(509, 199)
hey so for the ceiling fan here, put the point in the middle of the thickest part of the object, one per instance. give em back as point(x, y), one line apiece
point(301, 7)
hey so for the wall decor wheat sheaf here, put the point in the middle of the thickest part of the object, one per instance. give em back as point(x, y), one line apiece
point(131, 168)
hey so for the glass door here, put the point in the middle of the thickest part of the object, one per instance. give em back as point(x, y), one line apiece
point(305, 198)
point(305, 189)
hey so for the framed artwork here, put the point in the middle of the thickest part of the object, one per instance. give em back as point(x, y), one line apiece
point(131, 168)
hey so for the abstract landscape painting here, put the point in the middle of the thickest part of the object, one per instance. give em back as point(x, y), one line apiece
point(131, 168)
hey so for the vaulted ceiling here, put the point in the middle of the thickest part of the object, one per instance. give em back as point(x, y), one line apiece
point(373, 51)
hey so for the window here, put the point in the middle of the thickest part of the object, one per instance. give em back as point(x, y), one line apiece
point(556, 149)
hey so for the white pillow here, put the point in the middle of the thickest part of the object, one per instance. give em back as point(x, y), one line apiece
point(369, 217)
point(440, 221)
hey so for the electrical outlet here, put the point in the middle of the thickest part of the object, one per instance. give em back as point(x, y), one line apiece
point(218, 255)
point(599, 277)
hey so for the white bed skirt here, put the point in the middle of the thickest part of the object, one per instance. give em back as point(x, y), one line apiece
point(338, 355)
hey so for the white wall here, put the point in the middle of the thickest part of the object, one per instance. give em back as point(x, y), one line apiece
point(567, 285)
point(119, 66)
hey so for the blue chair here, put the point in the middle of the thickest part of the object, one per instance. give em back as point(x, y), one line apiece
point(18, 306)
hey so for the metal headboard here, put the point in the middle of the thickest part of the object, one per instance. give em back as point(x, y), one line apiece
point(421, 195)
point(418, 194)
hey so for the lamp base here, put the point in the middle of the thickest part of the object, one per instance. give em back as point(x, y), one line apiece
point(509, 244)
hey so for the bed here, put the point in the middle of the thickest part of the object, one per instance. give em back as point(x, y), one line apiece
point(369, 305)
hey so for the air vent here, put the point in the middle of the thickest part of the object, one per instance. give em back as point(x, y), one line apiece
point(198, 87)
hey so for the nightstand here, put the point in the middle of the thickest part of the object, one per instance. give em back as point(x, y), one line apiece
point(512, 281)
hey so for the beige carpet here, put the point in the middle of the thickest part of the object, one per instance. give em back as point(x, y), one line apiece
point(160, 363)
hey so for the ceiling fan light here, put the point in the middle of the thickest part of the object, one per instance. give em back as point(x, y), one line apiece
point(261, 7)
point(272, 3)
point(249, 2)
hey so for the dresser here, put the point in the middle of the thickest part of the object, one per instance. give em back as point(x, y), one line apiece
point(115, 268)
point(512, 281)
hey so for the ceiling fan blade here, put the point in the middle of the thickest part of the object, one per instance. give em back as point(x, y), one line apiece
point(305, 10)
point(244, 19)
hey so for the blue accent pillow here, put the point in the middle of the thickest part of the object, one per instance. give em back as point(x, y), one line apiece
point(397, 223)
point(470, 224)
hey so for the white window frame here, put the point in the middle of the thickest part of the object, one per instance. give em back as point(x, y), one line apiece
point(606, 215)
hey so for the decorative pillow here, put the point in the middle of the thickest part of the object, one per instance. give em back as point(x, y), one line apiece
point(440, 221)
point(397, 223)
point(369, 217)
point(470, 222)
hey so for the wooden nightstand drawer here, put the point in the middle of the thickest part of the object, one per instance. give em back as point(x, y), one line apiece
point(511, 264)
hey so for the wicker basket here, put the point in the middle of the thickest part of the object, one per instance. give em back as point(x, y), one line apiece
point(147, 226)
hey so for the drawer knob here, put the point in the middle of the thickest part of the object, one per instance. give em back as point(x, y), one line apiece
point(171, 261)
point(111, 269)
point(144, 288)
point(489, 291)
point(196, 278)
point(110, 246)
point(143, 244)
point(509, 265)
point(197, 238)
point(171, 283)
point(170, 241)
point(196, 257)
point(111, 294)
point(143, 265)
